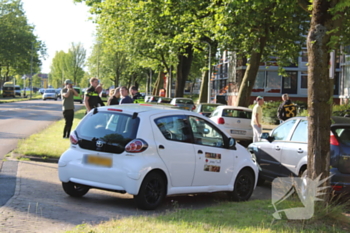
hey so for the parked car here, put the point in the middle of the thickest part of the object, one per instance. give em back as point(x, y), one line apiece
point(164, 100)
point(41, 90)
point(50, 93)
point(58, 92)
point(183, 103)
point(80, 96)
point(206, 108)
point(286, 154)
point(236, 121)
point(18, 90)
point(152, 98)
point(112, 149)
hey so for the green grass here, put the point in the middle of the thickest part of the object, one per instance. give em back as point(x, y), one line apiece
point(247, 217)
point(48, 143)
point(18, 98)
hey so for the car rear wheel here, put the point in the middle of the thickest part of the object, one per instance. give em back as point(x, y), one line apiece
point(75, 190)
point(152, 192)
point(243, 187)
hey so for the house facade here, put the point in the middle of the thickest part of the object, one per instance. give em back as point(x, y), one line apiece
point(228, 74)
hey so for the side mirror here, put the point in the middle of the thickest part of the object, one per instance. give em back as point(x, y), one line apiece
point(267, 137)
point(232, 143)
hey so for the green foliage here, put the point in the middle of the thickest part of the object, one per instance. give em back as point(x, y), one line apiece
point(18, 44)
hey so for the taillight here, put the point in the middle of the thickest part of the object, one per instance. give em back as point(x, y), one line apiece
point(194, 107)
point(337, 187)
point(136, 146)
point(334, 140)
point(73, 138)
point(221, 121)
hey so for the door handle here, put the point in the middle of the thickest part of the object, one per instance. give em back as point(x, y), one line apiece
point(200, 152)
point(300, 150)
point(277, 148)
point(161, 147)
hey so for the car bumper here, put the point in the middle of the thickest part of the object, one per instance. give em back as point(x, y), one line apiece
point(119, 177)
point(340, 181)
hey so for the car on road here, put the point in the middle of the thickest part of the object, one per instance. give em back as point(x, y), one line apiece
point(285, 152)
point(183, 103)
point(236, 121)
point(50, 93)
point(206, 108)
point(151, 151)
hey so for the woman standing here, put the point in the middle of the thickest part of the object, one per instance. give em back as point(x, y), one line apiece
point(115, 97)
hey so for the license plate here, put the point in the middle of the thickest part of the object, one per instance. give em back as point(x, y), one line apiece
point(241, 132)
point(98, 160)
point(186, 108)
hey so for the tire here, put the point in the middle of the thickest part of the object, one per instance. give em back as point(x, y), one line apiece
point(44, 99)
point(75, 190)
point(244, 186)
point(56, 99)
point(152, 192)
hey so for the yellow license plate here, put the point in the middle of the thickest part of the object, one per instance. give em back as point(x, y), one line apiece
point(97, 160)
point(186, 107)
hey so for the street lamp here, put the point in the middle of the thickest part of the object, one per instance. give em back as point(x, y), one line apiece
point(209, 69)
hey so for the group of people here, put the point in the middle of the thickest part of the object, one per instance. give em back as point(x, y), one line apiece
point(286, 110)
point(92, 99)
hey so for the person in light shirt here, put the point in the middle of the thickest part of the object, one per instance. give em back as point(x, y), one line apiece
point(257, 119)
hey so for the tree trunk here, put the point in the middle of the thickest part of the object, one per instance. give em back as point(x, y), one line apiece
point(203, 94)
point(320, 89)
point(249, 78)
point(160, 81)
point(182, 70)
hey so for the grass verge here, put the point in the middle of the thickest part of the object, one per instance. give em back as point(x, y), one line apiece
point(247, 217)
point(48, 143)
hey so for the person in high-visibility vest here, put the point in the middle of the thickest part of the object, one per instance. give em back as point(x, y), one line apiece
point(92, 98)
point(287, 109)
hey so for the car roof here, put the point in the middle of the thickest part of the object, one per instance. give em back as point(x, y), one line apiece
point(336, 120)
point(152, 108)
point(233, 107)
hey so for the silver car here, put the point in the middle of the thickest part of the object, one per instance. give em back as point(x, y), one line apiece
point(183, 103)
point(50, 94)
point(284, 153)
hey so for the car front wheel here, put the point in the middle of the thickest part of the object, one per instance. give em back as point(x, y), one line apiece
point(244, 186)
point(152, 192)
point(75, 190)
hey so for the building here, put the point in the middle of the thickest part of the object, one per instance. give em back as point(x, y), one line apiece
point(228, 74)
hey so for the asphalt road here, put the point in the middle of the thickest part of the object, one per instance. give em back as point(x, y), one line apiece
point(19, 120)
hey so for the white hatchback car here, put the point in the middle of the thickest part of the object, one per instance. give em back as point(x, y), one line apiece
point(50, 93)
point(152, 151)
point(236, 121)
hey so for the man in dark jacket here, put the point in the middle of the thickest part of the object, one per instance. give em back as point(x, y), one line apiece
point(286, 109)
point(135, 93)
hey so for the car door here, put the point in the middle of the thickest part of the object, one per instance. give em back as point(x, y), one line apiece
point(269, 154)
point(214, 163)
point(175, 147)
point(294, 153)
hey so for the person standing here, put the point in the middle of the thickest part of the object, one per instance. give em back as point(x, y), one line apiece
point(115, 97)
point(92, 98)
point(124, 96)
point(67, 94)
point(287, 109)
point(257, 119)
point(135, 93)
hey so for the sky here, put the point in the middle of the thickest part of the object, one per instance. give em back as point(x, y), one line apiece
point(58, 23)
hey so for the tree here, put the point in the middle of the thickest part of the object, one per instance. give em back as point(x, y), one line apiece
point(329, 20)
point(274, 29)
point(74, 63)
point(19, 47)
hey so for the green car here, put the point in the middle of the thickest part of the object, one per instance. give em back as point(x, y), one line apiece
point(80, 96)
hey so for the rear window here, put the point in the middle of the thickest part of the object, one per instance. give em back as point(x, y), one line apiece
point(237, 113)
point(343, 135)
point(114, 129)
point(182, 101)
point(208, 108)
